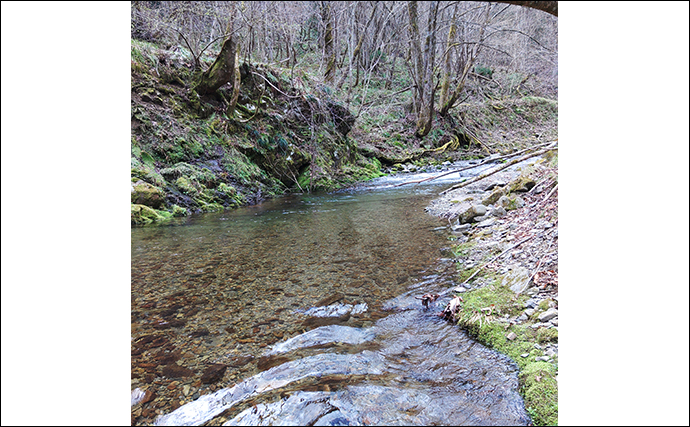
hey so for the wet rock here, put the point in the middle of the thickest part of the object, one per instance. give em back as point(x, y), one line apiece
point(238, 361)
point(548, 315)
point(330, 299)
point(213, 373)
point(323, 335)
point(137, 396)
point(177, 371)
point(202, 332)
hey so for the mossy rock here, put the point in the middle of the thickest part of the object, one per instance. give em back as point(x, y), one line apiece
point(494, 196)
point(521, 185)
point(179, 211)
point(142, 215)
point(511, 203)
point(146, 194)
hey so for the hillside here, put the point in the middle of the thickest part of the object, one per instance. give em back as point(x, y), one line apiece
point(290, 133)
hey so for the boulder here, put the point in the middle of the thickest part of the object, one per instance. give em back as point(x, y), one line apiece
point(494, 196)
point(510, 203)
point(471, 213)
point(522, 184)
point(517, 280)
point(146, 194)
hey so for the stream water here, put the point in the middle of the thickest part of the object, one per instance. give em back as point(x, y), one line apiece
point(302, 311)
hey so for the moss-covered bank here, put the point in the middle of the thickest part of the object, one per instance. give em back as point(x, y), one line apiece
point(193, 157)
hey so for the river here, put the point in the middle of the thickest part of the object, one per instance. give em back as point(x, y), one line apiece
point(302, 311)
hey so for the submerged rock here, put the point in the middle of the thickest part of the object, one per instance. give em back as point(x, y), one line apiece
point(323, 335)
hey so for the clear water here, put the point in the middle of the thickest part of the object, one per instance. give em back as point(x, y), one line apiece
point(309, 302)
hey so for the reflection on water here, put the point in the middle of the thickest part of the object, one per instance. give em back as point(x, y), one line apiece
point(235, 293)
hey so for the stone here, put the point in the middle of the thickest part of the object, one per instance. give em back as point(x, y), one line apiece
point(143, 193)
point(524, 355)
point(548, 315)
point(498, 211)
point(460, 289)
point(531, 303)
point(550, 352)
point(511, 336)
point(494, 196)
point(213, 373)
point(185, 389)
point(471, 213)
point(541, 359)
point(487, 222)
point(554, 321)
point(522, 184)
point(177, 371)
point(460, 228)
point(494, 185)
point(517, 280)
point(510, 203)
point(529, 312)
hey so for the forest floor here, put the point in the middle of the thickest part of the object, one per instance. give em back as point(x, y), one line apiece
point(511, 303)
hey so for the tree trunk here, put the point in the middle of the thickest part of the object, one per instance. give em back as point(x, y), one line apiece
point(328, 51)
point(222, 71)
point(426, 113)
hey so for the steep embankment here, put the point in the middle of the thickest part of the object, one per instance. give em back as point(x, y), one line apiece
point(187, 156)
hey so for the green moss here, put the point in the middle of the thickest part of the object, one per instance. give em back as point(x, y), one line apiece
point(143, 215)
point(537, 379)
point(540, 390)
point(179, 211)
point(186, 186)
point(546, 335)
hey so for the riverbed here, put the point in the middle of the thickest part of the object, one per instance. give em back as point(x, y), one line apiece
point(302, 311)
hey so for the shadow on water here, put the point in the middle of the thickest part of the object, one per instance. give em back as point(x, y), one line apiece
point(308, 302)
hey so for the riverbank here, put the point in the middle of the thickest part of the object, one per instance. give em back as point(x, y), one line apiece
point(505, 239)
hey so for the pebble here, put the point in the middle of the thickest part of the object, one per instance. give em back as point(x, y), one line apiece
point(541, 359)
point(524, 355)
point(537, 346)
point(511, 336)
point(529, 312)
point(185, 389)
point(554, 321)
point(173, 385)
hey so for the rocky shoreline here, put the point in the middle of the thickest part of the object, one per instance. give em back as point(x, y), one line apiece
point(505, 233)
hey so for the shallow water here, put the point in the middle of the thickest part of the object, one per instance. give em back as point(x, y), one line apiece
point(309, 302)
